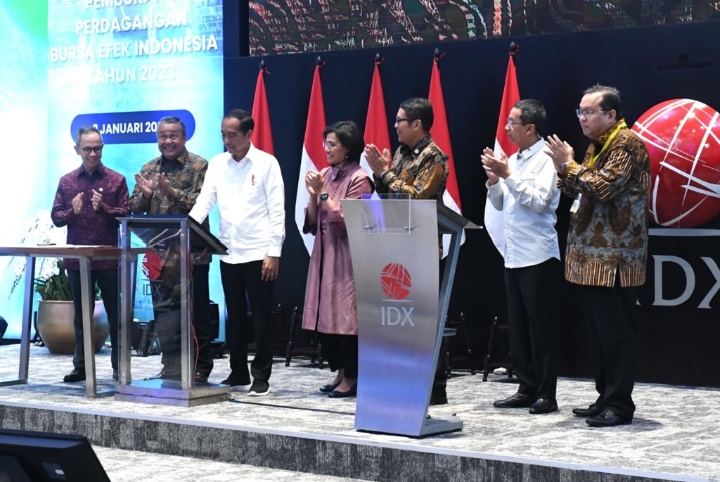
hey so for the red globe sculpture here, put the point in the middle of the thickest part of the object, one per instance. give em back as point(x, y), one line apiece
point(395, 281)
point(683, 139)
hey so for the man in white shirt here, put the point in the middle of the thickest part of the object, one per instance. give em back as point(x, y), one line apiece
point(524, 187)
point(247, 186)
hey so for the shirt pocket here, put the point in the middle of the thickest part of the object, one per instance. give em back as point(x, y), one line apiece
point(528, 176)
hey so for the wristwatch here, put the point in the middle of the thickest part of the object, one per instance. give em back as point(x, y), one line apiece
point(324, 196)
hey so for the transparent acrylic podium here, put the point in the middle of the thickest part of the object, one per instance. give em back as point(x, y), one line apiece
point(170, 242)
point(402, 305)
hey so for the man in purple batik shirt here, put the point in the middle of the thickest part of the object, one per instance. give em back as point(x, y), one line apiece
point(87, 201)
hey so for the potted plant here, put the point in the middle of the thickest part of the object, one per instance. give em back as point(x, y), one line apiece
point(56, 311)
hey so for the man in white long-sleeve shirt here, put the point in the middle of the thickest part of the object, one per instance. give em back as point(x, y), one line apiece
point(247, 186)
point(524, 187)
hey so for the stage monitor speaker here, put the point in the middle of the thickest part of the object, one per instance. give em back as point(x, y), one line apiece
point(47, 457)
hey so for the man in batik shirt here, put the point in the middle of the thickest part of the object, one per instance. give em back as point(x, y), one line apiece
point(607, 245)
point(170, 184)
point(87, 201)
point(419, 168)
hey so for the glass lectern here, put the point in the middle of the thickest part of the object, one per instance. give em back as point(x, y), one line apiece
point(171, 242)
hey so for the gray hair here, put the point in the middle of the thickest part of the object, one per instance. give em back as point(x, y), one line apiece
point(84, 131)
point(174, 120)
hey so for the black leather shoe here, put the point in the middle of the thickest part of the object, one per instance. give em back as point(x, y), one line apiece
point(77, 375)
point(592, 411)
point(544, 405)
point(350, 393)
point(516, 401)
point(201, 378)
point(115, 374)
point(329, 387)
point(608, 418)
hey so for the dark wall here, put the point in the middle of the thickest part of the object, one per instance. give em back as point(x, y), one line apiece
point(648, 65)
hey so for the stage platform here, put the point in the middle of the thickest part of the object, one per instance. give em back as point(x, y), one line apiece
point(675, 435)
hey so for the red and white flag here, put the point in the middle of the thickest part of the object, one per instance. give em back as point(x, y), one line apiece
point(262, 134)
point(441, 136)
point(376, 126)
point(494, 219)
point(313, 154)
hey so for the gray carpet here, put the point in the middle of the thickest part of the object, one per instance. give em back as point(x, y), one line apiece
point(675, 435)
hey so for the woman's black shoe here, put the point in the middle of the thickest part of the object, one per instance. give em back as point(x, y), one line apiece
point(329, 387)
point(350, 393)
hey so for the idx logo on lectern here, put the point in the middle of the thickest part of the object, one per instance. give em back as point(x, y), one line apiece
point(396, 282)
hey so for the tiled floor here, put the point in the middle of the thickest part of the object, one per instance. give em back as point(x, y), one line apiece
point(676, 432)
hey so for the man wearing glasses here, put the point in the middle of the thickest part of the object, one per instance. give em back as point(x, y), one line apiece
point(419, 168)
point(87, 201)
point(170, 184)
point(607, 244)
point(524, 188)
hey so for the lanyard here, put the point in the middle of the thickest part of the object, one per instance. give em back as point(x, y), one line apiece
point(621, 125)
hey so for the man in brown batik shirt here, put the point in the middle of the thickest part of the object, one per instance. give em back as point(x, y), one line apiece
point(170, 184)
point(607, 245)
point(419, 169)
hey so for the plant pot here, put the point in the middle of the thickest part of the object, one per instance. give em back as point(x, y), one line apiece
point(55, 324)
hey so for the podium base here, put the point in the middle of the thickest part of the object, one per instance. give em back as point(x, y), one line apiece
point(170, 392)
point(431, 426)
point(434, 426)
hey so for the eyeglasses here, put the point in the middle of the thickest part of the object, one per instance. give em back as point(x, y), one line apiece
point(88, 150)
point(330, 144)
point(172, 137)
point(511, 122)
point(587, 113)
point(401, 119)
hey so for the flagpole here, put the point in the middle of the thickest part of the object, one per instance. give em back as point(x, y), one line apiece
point(376, 121)
point(441, 136)
point(494, 219)
point(262, 133)
point(313, 156)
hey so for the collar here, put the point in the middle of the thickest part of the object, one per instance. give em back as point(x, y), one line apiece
point(532, 150)
point(181, 159)
point(339, 171)
point(600, 142)
point(417, 149)
point(250, 155)
point(99, 171)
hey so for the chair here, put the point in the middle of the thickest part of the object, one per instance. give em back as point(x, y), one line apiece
point(458, 329)
point(489, 363)
point(313, 350)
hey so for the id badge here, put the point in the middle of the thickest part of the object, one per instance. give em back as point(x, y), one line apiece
point(576, 204)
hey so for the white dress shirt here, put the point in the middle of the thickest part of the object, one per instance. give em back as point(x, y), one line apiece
point(250, 195)
point(528, 198)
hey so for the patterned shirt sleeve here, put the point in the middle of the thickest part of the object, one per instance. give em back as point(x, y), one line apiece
point(610, 178)
point(120, 208)
point(424, 181)
point(62, 211)
point(139, 203)
point(185, 199)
